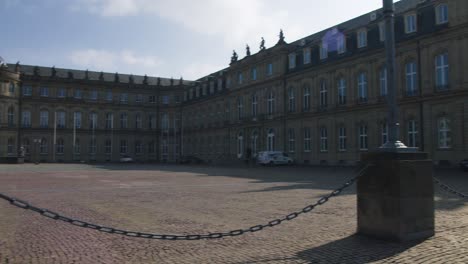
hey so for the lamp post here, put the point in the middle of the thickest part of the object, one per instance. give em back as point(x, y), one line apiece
point(393, 144)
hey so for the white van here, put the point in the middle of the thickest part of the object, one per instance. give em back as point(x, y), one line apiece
point(273, 158)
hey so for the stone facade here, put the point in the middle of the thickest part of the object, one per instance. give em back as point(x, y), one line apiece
point(321, 99)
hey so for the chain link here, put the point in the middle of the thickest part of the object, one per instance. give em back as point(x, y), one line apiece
point(449, 189)
point(253, 229)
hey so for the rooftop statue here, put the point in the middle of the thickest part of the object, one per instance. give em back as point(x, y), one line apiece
point(70, 75)
point(86, 75)
point(54, 72)
point(281, 37)
point(262, 44)
point(145, 79)
point(101, 76)
point(116, 77)
point(247, 50)
point(234, 56)
point(17, 67)
point(131, 79)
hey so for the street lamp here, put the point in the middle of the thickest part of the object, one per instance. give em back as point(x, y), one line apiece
point(393, 144)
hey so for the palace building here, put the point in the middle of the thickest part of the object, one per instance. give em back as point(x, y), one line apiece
point(321, 99)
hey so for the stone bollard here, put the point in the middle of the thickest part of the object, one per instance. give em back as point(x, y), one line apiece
point(395, 197)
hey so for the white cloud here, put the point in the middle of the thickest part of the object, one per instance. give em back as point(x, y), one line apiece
point(112, 61)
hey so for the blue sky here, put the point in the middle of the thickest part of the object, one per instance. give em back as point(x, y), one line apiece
point(167, 38)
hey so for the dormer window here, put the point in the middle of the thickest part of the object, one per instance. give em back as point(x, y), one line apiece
point(292, 60)
point(323, 50)
point(254, 74)
point(410, 23)
point(341, 44)
point(362, 38)
point(307, 56)
point(442, 14)
point(269, 69)
point(240, 78)
point(382, 31)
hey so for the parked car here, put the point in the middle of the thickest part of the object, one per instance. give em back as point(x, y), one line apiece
point(126, 159)
point(274, 158)
point(464, 165)
point(190, 160)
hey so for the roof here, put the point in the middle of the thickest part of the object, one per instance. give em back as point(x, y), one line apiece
point(94, 76)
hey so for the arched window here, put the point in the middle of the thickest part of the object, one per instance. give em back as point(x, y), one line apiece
point(26, 146)
point(292, 100)
point(240, 145)
point(60, 146)
point(44, 148)
point(271, 103)
point(444, 133)
point(362, 87)
point(271, 140)
point(138, 148)
point(108, 146)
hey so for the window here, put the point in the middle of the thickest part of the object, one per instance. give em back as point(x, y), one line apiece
point(341, 44)
point(220, 84)
point(342, 139)
point(292, 60)
point(323, 139)
point(11, 88)
point(123, 120)
point(109, 120)
point(152, 121)
point(341, 91)
point(271, 140)
point(138, 148)
point(383, 81)
point(60, 146)
point(93, 120)
point(44, 119)
point(212, 87)
point(254, 74)
point(27, 90)
point(240, 145)
point(124, 98)
point(307, 140)
point(165, 148)
point(109, 96)
point(165, 99)
point(442, 14)
point(410, 23)
point(11, 116)
point(152, 99)
point(411, 79)
point(139, 98)
point(382, 31)
point(240, 108)
point(292, 100)
point(323, 94)
point(442, 71)
point(108, 146)
point(138, 121)
point(362, 87)
point(306, 106)
point(44, 91)
point(445, 133)
point(204, 90)
point(362, 38)
point(384, 133)
point(165, 122)
point(43, 148)
point(123, 146)
point(61, 93)
point(413, 138)
point(271, 103)
point(10, 146)
point(77, 94)
point(269, 69)
point(307, 56)
point(60, 119)
point(240, 78)
point(254, 143)
point(254, 105)
point(26, 119)
point(77, 147)
point(291, 140)
point(363, 137)
point(77, 118)
point(323, 50)
point(93, 95)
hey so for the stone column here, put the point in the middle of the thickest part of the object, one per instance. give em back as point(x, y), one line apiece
point(395, 197)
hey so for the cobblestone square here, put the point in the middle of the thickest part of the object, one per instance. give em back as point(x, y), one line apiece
point(202, 199)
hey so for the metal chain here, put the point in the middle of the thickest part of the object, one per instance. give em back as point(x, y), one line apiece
point(56, 216)
point(449, 189)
